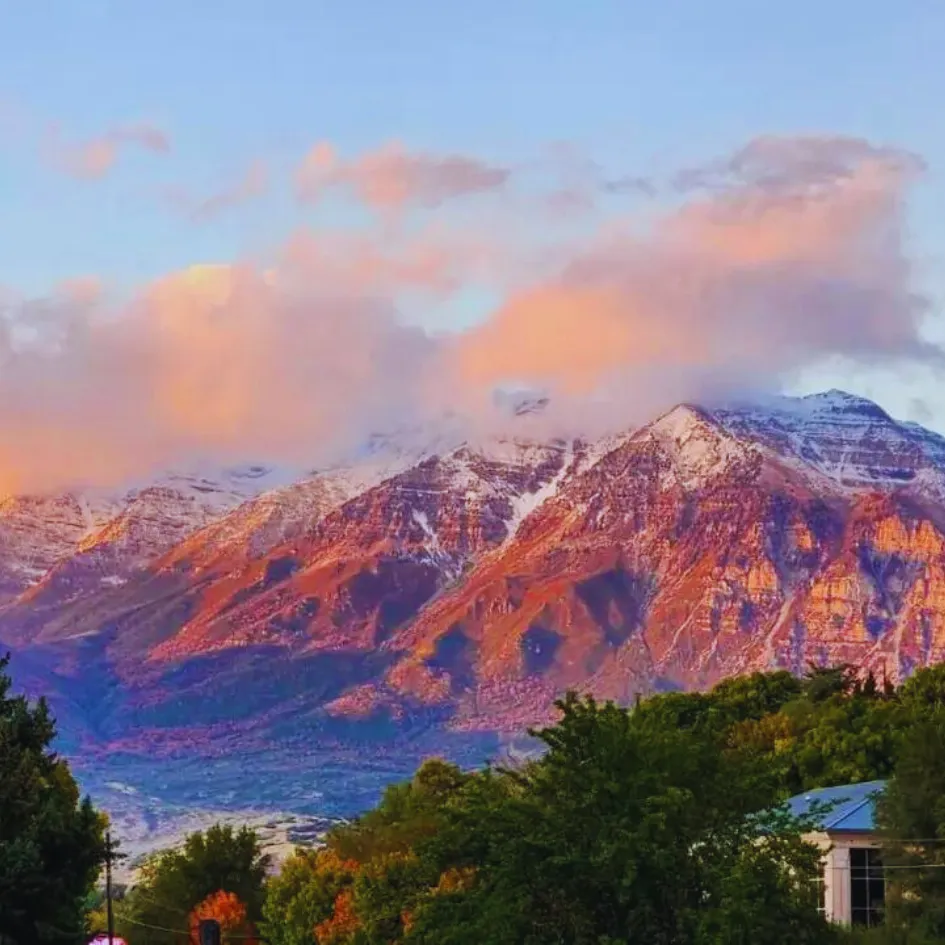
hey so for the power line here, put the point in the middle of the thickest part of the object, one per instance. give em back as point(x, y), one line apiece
point(161, 928)
point(879, 870)
point(881, 839)
point(154, 928)
point(137, 894)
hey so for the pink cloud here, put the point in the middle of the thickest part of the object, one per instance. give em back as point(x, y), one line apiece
point(252, 184)
point(785, 254)
point(97, 157)
point(393, 178)
point(795, 256)
point(436, 262)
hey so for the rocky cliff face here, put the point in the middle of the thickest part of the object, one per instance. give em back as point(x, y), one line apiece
point(468, 586)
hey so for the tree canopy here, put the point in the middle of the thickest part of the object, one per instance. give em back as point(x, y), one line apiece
point(659, 823)
point(912, 818)
point(220, 868)
point(52, 843)
point(632, 825)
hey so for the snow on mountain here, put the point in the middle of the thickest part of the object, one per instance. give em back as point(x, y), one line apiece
point(35, 533)
point(98, 536)
point(442, 575)
point(699, 449)
point(199, 516)
point(260, 523)
point(847, 439)
point(284, 514)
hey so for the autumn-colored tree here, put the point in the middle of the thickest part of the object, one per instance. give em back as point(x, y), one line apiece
point(658, 823)
point(455, 880)
point(304, 894)
point(177, 881)
point(342, 923)
point(230, 911)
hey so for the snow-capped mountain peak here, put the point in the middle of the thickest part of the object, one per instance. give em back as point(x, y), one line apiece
point(847, 438)
point(95, 538)
point(698, 446)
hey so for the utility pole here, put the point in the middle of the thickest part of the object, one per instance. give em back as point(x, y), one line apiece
point(109, 852)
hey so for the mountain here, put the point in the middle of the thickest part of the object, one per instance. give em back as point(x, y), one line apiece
point(442, 591)
point(104, 535)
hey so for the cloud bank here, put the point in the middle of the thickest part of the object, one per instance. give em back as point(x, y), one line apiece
point(786, 253)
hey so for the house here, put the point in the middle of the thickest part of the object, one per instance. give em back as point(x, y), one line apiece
point(853, 889)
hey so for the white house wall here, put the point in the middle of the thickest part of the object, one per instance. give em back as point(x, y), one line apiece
point(836, 846)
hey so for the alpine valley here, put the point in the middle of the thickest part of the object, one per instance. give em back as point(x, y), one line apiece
point(257, 639)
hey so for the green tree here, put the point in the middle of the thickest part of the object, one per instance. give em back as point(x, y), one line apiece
point(846, 739)
point(220, 859)
point(845, 732)
point(52, 844)
point(912, 817)
point(303, 895)
point(744, 698)
point(823, 682)
point(625, 831)
point(406, 813)
point(924, 690)
point(385, 894)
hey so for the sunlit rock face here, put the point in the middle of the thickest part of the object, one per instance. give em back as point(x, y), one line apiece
point(467, 585)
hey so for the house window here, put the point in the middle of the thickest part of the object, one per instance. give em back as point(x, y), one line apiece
point(820, 893)
point(867, 886)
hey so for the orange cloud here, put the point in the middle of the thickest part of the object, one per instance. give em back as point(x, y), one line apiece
point(393, 178)
point(210, 364)
point(762, 274)
point(785, 254)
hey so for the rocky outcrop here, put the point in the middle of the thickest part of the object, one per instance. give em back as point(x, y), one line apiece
point(468, 587)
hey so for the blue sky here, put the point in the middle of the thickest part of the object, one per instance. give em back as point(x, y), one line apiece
point(638, 85)
point(641, 87)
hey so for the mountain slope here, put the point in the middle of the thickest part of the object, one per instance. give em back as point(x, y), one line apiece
point(470, 585)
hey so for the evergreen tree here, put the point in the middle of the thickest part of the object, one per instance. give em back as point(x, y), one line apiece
point(52, 844)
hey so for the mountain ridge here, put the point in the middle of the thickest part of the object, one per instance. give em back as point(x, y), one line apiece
point(464, 585)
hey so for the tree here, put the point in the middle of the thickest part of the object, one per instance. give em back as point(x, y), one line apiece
point(924, 690)
point(407, 812)
point(227, 909)
point(837, 732)
point(911, 814)
point(385, 893)
point(176, 882)
point(52, 843)
point(822, 682)
point(846, 739)
point(743, 698)
point(304, 895)
point(624, 831)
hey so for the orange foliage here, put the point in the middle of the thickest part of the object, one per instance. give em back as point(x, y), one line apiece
point(455, 880)
point(229, 911)
point(344, 921)
point(329, 861)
